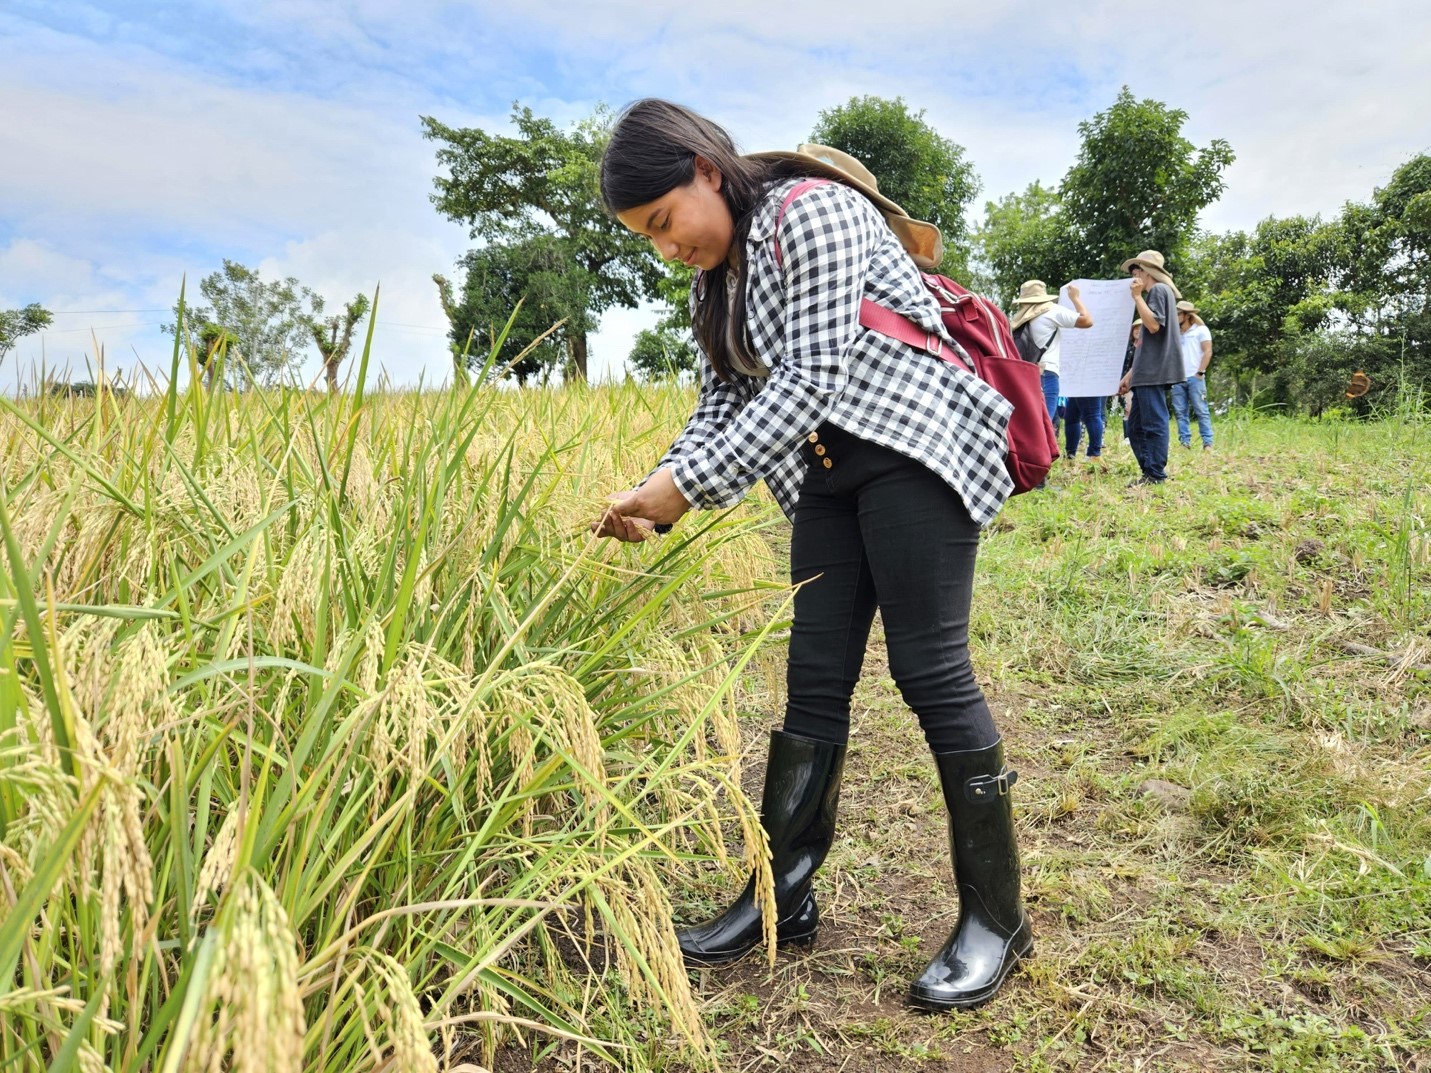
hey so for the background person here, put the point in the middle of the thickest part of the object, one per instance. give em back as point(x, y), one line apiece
point(1040, 319)
point(1157, 363)
point(886, 460)
point(1192, 392)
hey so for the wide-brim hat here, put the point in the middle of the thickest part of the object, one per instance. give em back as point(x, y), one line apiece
point(1149, 259)
point(1186, 307)
point(1033, 302)
point(1151, 262)
point(1034, 292)
point(923, 240)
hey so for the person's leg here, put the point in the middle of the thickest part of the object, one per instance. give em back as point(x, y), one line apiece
point(922, 548)
point(1072, 427)
point(1197, 395)
point(1050, 394)
point(833, 612)
point(1092, 411)
point(1152, 422)
point(1133, 429)
point(1180, 408)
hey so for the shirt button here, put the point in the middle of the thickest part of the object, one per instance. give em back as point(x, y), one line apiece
point(829, 464)
point(819, 448)
point(814, 437)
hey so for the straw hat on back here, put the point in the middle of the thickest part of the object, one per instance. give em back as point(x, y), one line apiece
point(921, 239)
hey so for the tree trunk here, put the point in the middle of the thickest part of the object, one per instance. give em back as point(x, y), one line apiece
point(330, 369)
point(576, 355)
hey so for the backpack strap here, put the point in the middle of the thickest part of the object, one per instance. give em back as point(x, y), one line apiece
point(795, 191)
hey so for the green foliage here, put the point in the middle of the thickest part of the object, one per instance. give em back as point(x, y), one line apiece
point(269, 323)
point(15, 324)
point(1300, 304)
point(662, 353)
point(541, 186)
point(334, 336)
point(551, 306)
point(926, 173)
point(1137, 184)
point(1025, 236)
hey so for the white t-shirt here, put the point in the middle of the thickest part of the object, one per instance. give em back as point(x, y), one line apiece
point(1193, 340)
point(1041, 327)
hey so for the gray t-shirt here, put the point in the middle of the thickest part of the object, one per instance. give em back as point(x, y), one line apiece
point(1159, 358)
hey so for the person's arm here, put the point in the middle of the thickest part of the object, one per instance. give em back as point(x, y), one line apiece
point(1206, 356)
point(826, 237)
point(1085, 318)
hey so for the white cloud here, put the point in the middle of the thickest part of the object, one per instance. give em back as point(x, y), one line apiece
point(134, 154)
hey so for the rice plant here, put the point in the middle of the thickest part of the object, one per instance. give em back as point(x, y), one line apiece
point(330, 739)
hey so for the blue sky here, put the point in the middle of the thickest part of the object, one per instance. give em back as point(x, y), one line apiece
point(143, 141)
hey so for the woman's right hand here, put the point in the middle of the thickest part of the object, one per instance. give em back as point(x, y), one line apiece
point(628, 530)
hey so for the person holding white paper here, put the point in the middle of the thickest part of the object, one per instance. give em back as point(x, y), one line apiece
point(1036, 325)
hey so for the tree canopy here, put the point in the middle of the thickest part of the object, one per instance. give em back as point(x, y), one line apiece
point(537, 195)
point(925, 172)
point(1136, 184)
point(268, 322)
point(15, 324)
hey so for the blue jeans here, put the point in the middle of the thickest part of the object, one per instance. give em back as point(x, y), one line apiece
point(878, 530)
point(1077, 413)
point(1148, 430)
point(1192, 393)
point(1050, 394)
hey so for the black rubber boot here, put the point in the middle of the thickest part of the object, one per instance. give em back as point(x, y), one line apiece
point(993, 932)
point(802, 787)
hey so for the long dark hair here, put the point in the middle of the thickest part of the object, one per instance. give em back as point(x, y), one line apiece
point(653, 150)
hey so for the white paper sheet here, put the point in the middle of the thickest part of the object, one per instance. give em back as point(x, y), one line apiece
point(1090, 360)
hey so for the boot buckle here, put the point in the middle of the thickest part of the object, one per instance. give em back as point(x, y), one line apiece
point(985, 788)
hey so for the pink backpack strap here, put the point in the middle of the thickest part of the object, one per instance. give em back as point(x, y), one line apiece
point(795, 191)
point(877, 318)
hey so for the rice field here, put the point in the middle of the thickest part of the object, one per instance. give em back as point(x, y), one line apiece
point(330, 739)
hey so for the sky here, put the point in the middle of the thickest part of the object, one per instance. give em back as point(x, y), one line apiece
point(142, 143)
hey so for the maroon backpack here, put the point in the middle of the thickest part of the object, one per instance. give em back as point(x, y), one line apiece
point(981, 328)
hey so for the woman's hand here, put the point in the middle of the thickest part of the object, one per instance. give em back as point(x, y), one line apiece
point(633, 516)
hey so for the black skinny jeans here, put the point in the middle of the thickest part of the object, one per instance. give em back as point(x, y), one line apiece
point(881, 530)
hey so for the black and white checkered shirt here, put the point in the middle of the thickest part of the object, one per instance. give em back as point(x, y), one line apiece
point(803, 317)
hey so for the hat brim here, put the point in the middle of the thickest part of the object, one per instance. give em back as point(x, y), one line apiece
point(1038, 301)
point(1131, 261)
point(921, 239)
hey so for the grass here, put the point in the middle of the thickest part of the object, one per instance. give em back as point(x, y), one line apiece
point(1257, 632)
point(323, 722)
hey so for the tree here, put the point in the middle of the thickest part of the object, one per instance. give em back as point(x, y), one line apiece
point(268, 321)
point(916, 166)
point(535, 274)
point(215, 342)
point(334, 337)
point(662, 353)
point(1024, 236)
point(543, 184)
point(1138, 184)
point(15, 324)
point(1263, 291)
